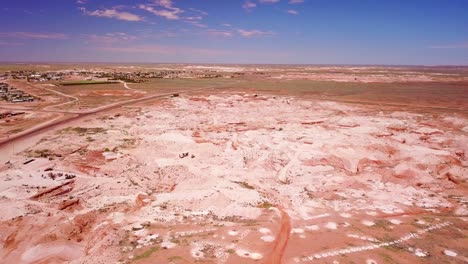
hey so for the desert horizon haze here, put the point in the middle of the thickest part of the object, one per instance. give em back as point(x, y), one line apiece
point(419, 32)
point(226, 132)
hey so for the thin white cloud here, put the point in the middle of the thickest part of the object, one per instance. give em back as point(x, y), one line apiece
point(113, 13)
point(168, 14)
point(296, 1)
point(33, 35)
point(268, 1)
point(193, 18)
point(254, 33)
point(219, 33)
point(164, 3)
point(292, 12)
point(201, 12)
point(163, 8)
point(109, 38)
point(81, 2)
point(196, 23)
point(248, 5)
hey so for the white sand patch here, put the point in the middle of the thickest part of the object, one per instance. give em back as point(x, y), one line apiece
point(233, 232)
point(246, 254)
point(450, 253)
point(256, 256)
point(148, 240)
point(420, 253)
point(65, 251)
point(346, 215)
point(318, 216)
point(168, 245)
point(141, 232)
point(346, 224)
point(312, 227)
point(197, 251)
point(367, 223)
point(264, 230)
point(297, 231)
point(395, 221)
point(331, 225)
point(268, 239)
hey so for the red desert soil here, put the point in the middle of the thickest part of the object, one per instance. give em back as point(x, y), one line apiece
point(282, 238)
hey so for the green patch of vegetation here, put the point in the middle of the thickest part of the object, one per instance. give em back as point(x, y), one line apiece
point(386, 258)
point(146, 254)
point(85, 83)
point(265, 205)
point(250, 223)
point(182, 241)
point(387, 237)
point(396, 247)
point(382, 224)
point(42, 153)
point(209, 251)
point(85, 130)
point(230, 251)
point(245, 185)
point(128, 142)
point(175, 241)
point(14, 131)
point(82, 131)
point(175, 259)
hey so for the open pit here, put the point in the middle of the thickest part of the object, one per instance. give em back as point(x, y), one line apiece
point(238, 177)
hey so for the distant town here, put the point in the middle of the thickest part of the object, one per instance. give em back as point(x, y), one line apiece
point(135, 77)
point(13, 95)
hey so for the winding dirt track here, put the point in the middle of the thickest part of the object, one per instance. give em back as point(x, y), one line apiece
point(281, 241)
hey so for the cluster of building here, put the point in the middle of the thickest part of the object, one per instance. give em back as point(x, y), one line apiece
point(13, 95)
point(33, 76)
point(10, 114)
point(136, 76)
point(141, 76)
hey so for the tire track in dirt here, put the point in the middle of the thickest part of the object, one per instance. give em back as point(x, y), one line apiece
point(282, 239)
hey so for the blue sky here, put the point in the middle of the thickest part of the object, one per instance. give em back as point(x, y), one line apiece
point(230, 31)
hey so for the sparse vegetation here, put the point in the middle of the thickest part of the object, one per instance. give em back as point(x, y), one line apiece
point(86, 83)
point(380, 223)
point(42, 153)
point(84, 130)
point(387, 258)
point(265, 205)
point(245, 185)
point(175, 259)
point(146, 254)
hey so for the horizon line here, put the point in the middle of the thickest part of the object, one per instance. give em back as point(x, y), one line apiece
point(234, 63)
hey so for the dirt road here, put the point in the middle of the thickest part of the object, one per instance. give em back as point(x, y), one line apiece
point(6, 144)
point(282, 239)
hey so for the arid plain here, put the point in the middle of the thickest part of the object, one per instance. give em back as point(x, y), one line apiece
point(233, 164)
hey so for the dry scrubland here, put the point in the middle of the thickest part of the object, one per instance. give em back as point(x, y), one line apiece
point(260, 168)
